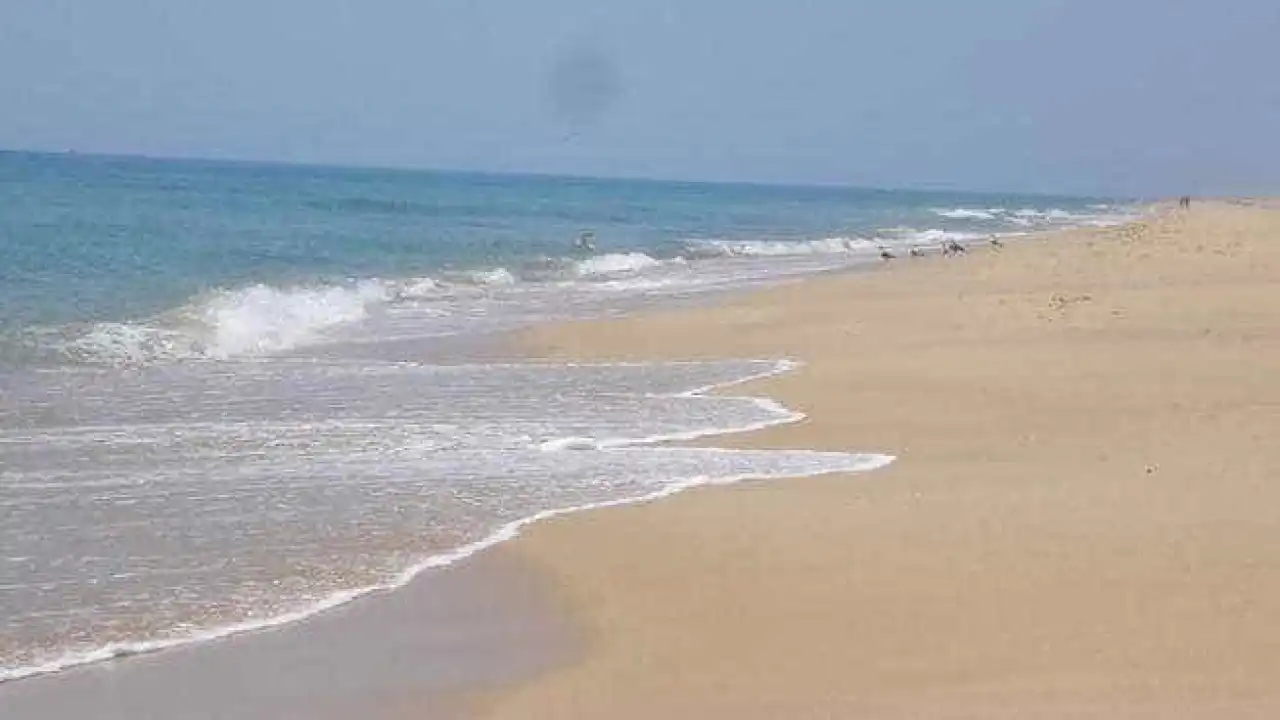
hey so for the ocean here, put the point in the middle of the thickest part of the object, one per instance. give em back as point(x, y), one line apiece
point(233, 395)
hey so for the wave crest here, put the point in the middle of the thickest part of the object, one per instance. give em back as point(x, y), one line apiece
point(613, 264)
point(262, 319)
point(250, 321)
point(776, 248)
point(968, 213)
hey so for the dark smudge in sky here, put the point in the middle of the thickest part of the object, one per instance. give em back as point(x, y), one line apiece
point(583, 84)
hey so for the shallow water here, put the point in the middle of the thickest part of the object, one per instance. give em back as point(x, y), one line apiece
point(152, 504)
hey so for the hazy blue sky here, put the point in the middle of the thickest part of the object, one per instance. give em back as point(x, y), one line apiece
point(1132, 96)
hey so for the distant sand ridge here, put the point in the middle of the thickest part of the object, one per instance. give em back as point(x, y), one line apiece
point(1084, 520)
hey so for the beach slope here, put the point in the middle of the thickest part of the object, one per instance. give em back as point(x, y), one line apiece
point(1084, 519)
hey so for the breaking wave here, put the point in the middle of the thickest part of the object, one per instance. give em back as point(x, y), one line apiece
point(250, 321)
point(776, 248)
point(614, 264)
point(263, 319)
point(1100, 215)
point(968, 213)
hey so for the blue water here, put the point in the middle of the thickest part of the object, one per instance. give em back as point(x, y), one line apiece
point(217, 410)
point(98, 238)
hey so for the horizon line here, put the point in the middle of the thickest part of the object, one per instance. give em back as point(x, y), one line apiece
point(529, 174)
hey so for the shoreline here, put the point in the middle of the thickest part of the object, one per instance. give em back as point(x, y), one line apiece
point(300, 619)
point(79, 675)
point(452, 556)
point(492, 347)
point(1048, 543)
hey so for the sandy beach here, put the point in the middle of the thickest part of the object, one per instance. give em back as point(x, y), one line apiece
point(1082, 520)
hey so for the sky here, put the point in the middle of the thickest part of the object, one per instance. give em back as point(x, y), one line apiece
point(1120, 97)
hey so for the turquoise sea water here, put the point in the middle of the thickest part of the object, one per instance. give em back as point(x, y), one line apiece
point(87, 239)
point(216, 410)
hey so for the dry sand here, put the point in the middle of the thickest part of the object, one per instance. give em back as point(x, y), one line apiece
point(1084, 520)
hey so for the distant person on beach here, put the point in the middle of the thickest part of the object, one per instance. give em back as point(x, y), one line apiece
point(1184, 202)
point(586, 242)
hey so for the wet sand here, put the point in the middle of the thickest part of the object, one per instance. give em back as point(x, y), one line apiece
point(449, 635)
point(1084, 520)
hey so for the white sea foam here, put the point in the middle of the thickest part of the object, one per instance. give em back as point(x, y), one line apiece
point(415, 289)
point(250, 321)
point(734, 466)
point(968, 213)
point(614, 264)
point(569, 443)
point(262, 319)
point(1100, 216)
point(489, 277)
point(934, 236)
point(130, 343)
point(1030, 216)
point(495, 277)
point(643, 285)
point(1022, 216)
point(776, 248)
